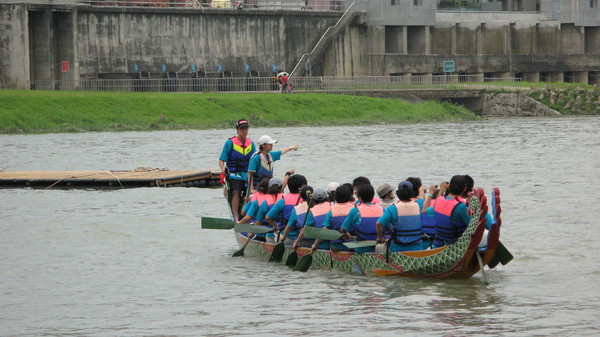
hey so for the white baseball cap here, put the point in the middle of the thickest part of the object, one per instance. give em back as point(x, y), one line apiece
point(332, 186)
point(266, 140)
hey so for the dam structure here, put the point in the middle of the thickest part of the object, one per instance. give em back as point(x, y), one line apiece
point(60, 41)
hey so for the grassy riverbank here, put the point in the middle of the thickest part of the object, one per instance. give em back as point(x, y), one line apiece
point(60, 111)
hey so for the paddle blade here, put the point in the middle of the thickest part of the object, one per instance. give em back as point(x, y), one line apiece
point(241, 251)
point(493, 262)
point(321, 233)
point(503, 255)
point(360, 244)
point(304, 263)
point(277, 253)
point(248, 228)
point(217, 223)
point(292, 259)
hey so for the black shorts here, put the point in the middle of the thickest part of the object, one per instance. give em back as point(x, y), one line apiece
point(237, 185)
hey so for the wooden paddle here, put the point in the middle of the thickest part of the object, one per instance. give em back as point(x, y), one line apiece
point(217, 223)
point(248, 228)
point(305, 262)
point(485, 280)
point(241, 251)
point(315, 233)
point(360, 244)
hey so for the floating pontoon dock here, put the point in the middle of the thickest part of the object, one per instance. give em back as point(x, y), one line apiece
point(109, 179)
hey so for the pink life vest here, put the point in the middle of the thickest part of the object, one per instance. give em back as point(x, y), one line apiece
point(319, 212)
point(369, 214)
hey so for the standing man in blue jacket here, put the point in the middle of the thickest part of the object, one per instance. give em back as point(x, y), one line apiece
point(234, 160)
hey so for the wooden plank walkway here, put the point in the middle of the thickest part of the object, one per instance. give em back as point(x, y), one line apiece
point(109, 179)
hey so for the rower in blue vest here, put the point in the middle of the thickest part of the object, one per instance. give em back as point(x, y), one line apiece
point(404, 219)
point(261, 163)
point(233, 161)
point(428, 217)
point(279, 215)
point(451, 215)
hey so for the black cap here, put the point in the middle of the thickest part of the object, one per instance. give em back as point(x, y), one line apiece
point(242, 123)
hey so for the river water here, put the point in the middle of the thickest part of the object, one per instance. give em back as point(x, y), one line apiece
point(135, 262)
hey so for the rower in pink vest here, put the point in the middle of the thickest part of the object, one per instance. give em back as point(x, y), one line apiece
point(335, 218)
point(315, 218)
point(361, 220)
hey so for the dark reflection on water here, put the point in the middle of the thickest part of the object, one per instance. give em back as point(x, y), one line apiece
point(136, 263)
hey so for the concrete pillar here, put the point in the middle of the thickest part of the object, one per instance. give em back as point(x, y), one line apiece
point(427, 40)
point(14, 47)
point(377, 39)
point(454, 39)
point(534, 39)
point(580, 77)
point(508, 39)
point(557, 76)
point(479, 38)
point(75, 75)
point(404, 40)
point(531, 77)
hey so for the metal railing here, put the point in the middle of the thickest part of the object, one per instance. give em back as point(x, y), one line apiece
point(292, 5)
point(334, 84)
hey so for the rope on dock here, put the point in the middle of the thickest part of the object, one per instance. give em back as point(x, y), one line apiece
point(118, 180)
point(71, 177)
point(149, 169)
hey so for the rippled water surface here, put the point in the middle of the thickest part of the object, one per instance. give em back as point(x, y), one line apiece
point(136, 262)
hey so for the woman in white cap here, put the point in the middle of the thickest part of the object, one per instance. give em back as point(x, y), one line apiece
point(261, 163)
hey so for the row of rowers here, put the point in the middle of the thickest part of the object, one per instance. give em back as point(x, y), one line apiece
point(409, 218)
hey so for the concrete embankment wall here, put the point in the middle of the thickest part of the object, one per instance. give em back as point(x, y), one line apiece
point(37, 39)
point(514, 104)
point(536, 51)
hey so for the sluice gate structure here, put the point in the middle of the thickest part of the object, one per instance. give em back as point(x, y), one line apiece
point(74, 40)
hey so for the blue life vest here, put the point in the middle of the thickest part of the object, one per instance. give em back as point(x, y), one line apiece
point(408, 229)
point(289, 201)
point(447, 231)
point(428, 222)
point(369, 214)
point(339, 212)
point(265, 169)
point(301, 213)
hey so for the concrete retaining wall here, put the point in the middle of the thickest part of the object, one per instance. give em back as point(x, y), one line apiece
point(514, 104)
point(36, 39)
point(112, 41)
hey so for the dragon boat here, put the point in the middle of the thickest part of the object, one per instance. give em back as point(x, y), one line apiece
point(461, 259)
